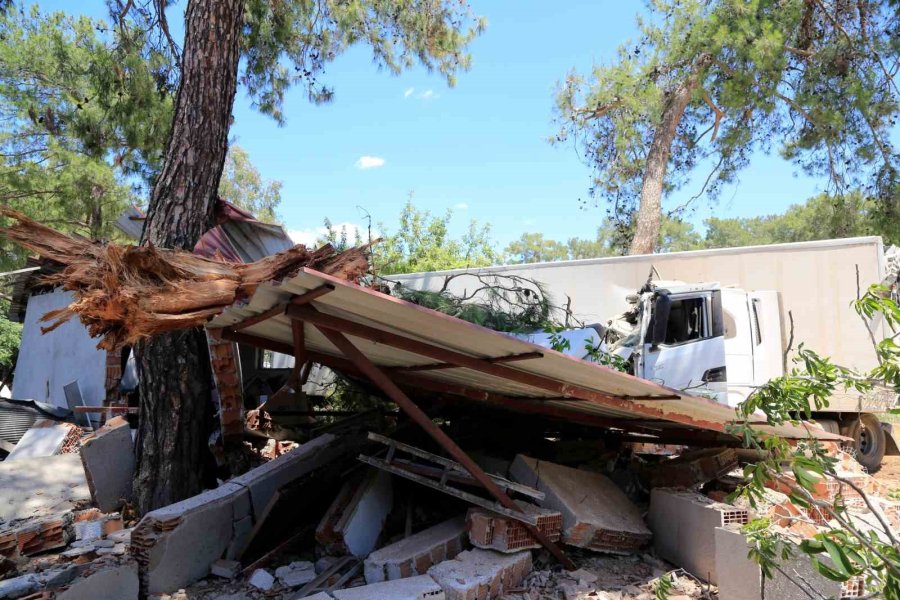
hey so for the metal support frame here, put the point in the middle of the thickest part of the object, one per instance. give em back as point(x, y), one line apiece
point(279, 309)
point(381, 379)
point(495, 360)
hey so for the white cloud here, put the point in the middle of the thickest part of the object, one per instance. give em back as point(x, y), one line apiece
point(461, 206)
point(369, 162)
point(409, 92)
point(310, 237)
point(428, 95)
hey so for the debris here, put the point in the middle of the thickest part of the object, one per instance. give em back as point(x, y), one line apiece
point(417, 553)
point(683, 525)
point(690, 469)
point(744, 578)
point(492, 531)
point(104, 581)
point(228, 569)
point(296, 573)
point(17, 587)
point(46, 438)
point(596, 514)
point(203, 527)
point(262, 579)
point(481, 574)
point(36, 535)
point(108, 458)
point(421, 587)
point(127, 293)
point(60, 480)
point(354, 520)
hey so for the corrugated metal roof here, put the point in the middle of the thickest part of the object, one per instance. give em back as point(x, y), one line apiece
point(584, 389)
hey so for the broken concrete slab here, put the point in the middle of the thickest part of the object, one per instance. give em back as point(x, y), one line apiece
point(354, 521)
point(683, 525)
point(262, 580)
point(204, 528)
point(421, 587)
point(744, 580)
point(296, 574)
point(596, 513)
point(481, 574)
point(36, 535)
point(227, 569)
point(108, 458)
point(60, 480)
point(104, 581)
point(16, 587)
point(44, 438)
point(417, 553)
point(492, 531)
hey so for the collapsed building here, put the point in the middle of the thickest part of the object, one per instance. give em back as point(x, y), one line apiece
point(480, 466)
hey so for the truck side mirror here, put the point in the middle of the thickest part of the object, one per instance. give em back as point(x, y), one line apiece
point(662, 306)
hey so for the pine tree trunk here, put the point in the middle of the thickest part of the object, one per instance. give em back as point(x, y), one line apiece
point(175, 374)
point(649, 215)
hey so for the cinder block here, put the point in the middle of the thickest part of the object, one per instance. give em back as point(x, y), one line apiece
point(422, 587)
point(496, 532)
point(744, 579)
point(481, 574)
point(683, 525)
point(108, 459)
point(691, 468)
point(423, 549)
point(596, 513)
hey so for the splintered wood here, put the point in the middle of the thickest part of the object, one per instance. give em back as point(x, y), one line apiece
point(126, 293)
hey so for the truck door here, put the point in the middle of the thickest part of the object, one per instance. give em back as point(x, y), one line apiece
point(691, 357)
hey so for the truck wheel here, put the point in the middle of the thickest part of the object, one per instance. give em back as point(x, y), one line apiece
point(830, 425)
point(869, 441)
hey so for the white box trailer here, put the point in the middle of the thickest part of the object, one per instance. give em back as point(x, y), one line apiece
point(809, 286)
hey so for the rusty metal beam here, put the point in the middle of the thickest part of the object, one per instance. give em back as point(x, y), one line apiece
point(384, 382)
point(494, 360)
point(278, 309)
point(558, 388)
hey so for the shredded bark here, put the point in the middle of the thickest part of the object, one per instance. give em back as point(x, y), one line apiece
point(127, 293)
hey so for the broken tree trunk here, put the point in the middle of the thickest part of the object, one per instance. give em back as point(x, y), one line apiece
point(128, 294)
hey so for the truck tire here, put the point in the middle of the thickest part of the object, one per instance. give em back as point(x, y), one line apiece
point(869, 441)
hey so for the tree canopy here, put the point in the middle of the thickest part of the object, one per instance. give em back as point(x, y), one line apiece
point(709, 83)
point(243, 185)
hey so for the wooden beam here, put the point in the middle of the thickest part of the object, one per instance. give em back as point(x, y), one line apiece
point(381, 379)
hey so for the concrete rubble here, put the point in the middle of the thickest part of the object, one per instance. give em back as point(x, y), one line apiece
point(108, 458)
point(596, 514)
point(354, 521)
point(496, 532)
point(416, 554)
point(46, 438)
point(481, 574)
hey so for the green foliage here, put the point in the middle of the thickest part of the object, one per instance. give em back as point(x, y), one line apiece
point(423, 242)
point(809, 79)
point(84, 114)
point(850, 551)
point(242, 185)
point(291, 42)
point(500, 302)
point(10, 336)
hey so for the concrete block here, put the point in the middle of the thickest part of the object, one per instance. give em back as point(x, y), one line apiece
point(481, 574)
point(683, 525)
point(108, 458)
point(744, 578)
point(266, 479)
point(262, 580)
point(296, 574)
point(117, 581)
point(427, 547)
point(319, 596)
point(353, 522)
point(421, 587)
point(59, 480)
point(228, 569)
point(17, 587)
point(43, 439)
point(492, 531)
point(242, 532)
point(596, 513)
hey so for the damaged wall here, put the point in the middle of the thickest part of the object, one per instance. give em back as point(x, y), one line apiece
point(48, 362)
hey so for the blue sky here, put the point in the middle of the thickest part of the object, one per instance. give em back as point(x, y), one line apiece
point(479, 148)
